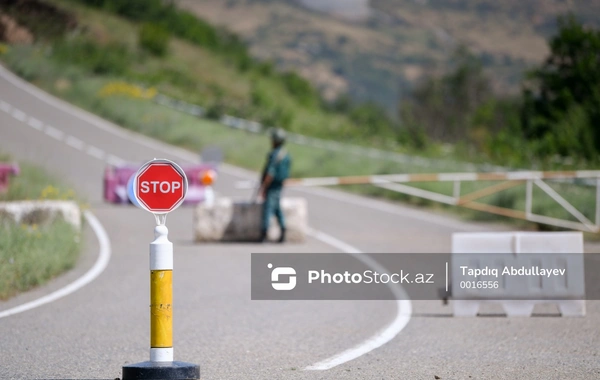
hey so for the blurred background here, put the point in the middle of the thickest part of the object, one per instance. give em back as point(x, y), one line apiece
point(365, 87)
point(362, 88)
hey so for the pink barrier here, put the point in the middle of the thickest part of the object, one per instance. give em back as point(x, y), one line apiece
point(6, 170)
point(200, 179)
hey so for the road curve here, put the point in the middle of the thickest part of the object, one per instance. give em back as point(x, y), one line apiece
point(91, 333)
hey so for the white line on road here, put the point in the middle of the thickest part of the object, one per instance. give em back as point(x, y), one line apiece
point(89, 276)
point(54, 133)
point(59, 135)
point(403, 309)
point(35, 123)
point(95, 152)
point(114, 160)
point(18, 114)
point(94, 119)
point(5, 106)
point(75, 142)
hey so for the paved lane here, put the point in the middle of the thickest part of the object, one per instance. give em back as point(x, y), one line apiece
point(96, 330)
point(215, 320)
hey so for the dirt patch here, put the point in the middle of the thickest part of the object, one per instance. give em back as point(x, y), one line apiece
point(12, 33)
point(40, 19)
point(244, 20)
point(353, 10)
point(62, 84)
point(37, 216)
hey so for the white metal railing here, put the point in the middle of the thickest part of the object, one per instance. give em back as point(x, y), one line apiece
point(506, 180)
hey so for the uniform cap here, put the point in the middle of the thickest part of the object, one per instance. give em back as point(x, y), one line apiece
point(278, 135)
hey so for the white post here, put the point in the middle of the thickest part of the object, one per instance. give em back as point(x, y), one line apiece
point(528, 198)
point(456, 192)
point(597, 202)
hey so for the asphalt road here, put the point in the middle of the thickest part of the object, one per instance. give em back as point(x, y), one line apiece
point(92, 332)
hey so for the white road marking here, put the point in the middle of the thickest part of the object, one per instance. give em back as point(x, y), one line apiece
point(114, 160)
point(404, 307)
point(91, 118)
point(35, 123)
point(89, 276)
point(18, 114)
point(54, 133)
point(5, 106)
point(74, 142)
point(59, 135)
point(95, 152)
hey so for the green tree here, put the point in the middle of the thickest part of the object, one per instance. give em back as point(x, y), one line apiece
point(372, 120)
point(564, 93)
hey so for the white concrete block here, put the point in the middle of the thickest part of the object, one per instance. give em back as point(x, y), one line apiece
point(41, 212)
point(552, 250)
point(230, 220)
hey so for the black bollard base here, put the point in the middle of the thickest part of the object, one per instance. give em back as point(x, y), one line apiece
point(161, 370)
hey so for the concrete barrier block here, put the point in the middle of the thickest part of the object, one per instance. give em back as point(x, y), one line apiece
point(227, 219)
point(41, 212)
point(518, 308)
point(496, 251)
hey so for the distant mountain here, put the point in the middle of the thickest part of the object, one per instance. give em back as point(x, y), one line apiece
point(376, 50)
point(353, 10)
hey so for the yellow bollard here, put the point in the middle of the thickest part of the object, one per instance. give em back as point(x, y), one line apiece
point(152, 198)
point(161, 296)
point(161, 308)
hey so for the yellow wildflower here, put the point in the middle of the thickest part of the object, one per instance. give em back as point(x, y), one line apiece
point(126, 89)
point(49, 192)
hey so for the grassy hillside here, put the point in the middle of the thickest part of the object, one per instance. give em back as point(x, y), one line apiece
point(381, 57)
point(212, 76)
point(99, 65)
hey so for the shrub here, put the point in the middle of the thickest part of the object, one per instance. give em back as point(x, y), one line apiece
point(265, 68)
point(299, 88)
point(215, 110)
point(112, 58)
point(46, 21)
point(154, 39)
point(187, 26)
point(132, 9)
point(371, 119)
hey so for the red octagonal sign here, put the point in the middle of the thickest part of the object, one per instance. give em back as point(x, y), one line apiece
point(160, 186)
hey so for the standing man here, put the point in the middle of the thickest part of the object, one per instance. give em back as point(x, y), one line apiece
point(276, 171)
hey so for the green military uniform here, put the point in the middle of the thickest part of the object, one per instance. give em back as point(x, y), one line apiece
point(277, 166)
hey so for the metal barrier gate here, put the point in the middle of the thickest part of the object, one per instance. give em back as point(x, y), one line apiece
point(506, 180)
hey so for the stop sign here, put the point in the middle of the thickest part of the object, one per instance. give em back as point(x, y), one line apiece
point(160, 186)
